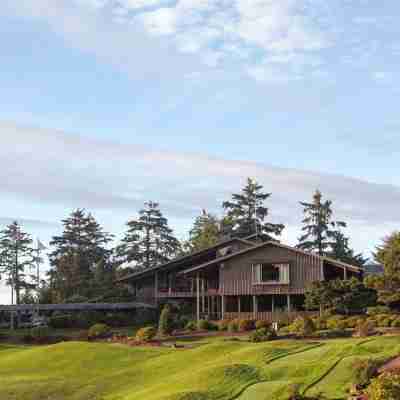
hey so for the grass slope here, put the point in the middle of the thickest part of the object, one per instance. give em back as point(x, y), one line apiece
point(217, 369)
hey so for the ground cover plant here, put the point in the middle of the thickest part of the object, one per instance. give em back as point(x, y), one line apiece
point(220, 369)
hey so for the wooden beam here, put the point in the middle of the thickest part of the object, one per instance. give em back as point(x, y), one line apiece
point(345, 273)
point(222, 306)
point(239, 305)
point(272, 303)
point(255, 306)
point(289, 306)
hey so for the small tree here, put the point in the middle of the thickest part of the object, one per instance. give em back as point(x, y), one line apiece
point(16, 256)
point(165, 324)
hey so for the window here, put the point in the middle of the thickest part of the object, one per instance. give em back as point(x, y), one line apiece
point(270, 273)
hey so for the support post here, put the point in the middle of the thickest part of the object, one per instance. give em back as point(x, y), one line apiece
point(203, 302)
point(239, 306)
point(198, 296)
point(345, 274)
point(223, 307)
point(255, 308)
point(12, 321)
point(289, 306)
point(272, 303)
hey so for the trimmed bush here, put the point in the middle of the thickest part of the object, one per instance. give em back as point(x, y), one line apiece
point(40, 333)
point(61, 321)
point(378, 310)
point(262, 335)
point(364, 370)
point(352, 322)
point(302, 326)
point(191, 326)
point(146, 334)
point(245, 325)
point(233, 326)
point(204, 325)
point(99, 331)
point(262, 323)
point(365, 328)
point(320, 323)
point(336, 322)
point(165, 324)
point(223, 324)
point(395, 323)
point(384, 387)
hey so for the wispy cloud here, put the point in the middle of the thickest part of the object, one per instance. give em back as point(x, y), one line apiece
point(57, 168)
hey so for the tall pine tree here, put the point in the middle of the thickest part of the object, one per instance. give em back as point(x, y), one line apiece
point(77, 254)
point(319, 227)
point(341, 250)
point(204, 233)
point(17, 256)
point(246, 212)
point(148, 241)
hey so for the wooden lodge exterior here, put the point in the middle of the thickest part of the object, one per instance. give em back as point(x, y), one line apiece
point(239, 278)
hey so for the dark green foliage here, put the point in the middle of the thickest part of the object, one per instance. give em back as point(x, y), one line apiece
point(302, 326)
point(336, 322)
point(81, 260)
point(318, 226)
point(388, 285)
point(40, 333)
point(17, 256)
point(146, 334)
point(191, 326)
point(262, 335)
point(99, 331)
point(342, 296)
point(62, 321)
point(205, 325)
point(246, 212)
point(165, 324)
point(223, 324)
point(148, 241)
point(205, 233)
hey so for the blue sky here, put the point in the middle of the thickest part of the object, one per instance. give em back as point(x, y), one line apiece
point(107, 103)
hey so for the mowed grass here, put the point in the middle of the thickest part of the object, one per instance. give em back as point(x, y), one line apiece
point(214, 369)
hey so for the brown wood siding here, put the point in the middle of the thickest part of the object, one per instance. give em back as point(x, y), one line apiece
point(236, 274)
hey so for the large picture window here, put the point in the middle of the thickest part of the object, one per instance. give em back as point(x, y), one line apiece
point(270, 273)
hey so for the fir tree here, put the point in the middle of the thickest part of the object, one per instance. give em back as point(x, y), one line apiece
point(148, 241)
point(246, 212)
point(341, 250)
point(17, 255)
point(319, 227)
point(76, 255)
point(205, 233)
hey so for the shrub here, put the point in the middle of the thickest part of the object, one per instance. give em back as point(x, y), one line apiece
point(245, 325)
point(165, 324)
point(39, 333)
point(98, 331)
point(365, 328)
point(303, 326)
point(61, 321)
point(378, 310)
point(262, 323)
point(364, 370)
point(395, 323)
point(223, 324)
point(334, 333)
point(86, 319)
point(336, 322)
point(233, 326)
point(352, 322)
point(320, 323)
point(191, 326)
point(384, 387)
point(262, 335)
point(146, 334)
point(204, 325)
point(118, 319)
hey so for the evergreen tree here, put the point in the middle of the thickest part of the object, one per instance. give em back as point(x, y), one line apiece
point(205, 233)
point(148, 241)
point(388, 285)
point(16, 257)
point(319, 227)
point(78, 251)
point(246, 212)
point(341, 250)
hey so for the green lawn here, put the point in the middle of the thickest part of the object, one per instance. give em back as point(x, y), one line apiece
point(215, 369)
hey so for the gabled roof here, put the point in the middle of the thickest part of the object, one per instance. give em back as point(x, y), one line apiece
point(179, 260)
point(270, 243)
